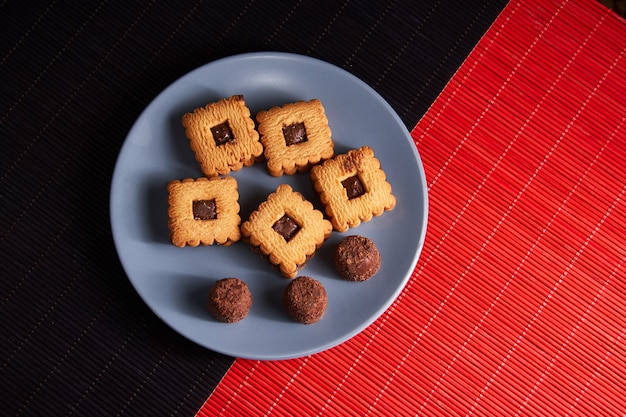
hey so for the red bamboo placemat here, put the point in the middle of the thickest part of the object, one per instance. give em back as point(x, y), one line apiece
point(517, 305)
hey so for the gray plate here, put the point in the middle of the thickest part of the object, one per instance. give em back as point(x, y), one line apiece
point(175, 282)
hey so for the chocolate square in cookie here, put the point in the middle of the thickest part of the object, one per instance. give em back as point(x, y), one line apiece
point(223, 136)
point(286, 229)
point(295, 136)
point(353, 188)
point(204, 211)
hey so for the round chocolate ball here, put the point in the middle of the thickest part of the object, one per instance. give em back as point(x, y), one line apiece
point(357, 258)
point(230, 300)
point(305, 300)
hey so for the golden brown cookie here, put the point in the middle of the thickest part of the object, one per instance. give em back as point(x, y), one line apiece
point(222, 136)
point(204, 211)
point(286, 229)
point(353, 188)
point(295, 136)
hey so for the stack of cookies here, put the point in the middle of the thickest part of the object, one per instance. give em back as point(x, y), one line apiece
point(286, 229)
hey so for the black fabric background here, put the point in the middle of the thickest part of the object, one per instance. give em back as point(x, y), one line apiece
point(76, 338)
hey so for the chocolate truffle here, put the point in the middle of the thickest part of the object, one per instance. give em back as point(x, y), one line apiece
point(305, 300)
point(357, 258)
point(230, 300)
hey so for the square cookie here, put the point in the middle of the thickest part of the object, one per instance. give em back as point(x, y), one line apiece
point(286, 229)
point(295, 136)
point(353, 188)
point(222, 135)
point(204, 211)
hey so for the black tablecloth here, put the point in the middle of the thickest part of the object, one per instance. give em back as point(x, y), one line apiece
point(76, 338)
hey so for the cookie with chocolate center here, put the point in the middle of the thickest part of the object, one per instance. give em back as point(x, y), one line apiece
point(286, 230)
point(295, 137)
point(353, 188)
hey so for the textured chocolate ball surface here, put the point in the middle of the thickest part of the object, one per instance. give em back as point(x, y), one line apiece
point(357, 258)
point(305, 300)
point(230, 300)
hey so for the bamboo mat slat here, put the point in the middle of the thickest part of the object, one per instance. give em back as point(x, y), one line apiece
point(517, 304)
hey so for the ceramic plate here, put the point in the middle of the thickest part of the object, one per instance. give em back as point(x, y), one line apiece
point(175, 282)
